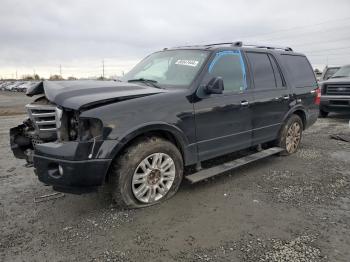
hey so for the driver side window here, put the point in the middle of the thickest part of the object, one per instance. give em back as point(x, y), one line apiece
point(229, 66)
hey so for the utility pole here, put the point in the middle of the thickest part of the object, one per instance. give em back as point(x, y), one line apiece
point(61, 70)
point(103, 69)
point(16, 75)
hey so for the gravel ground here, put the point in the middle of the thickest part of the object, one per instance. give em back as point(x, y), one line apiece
point(294, 208)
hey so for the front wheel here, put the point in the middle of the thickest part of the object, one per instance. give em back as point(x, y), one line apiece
point(290, 135)
point(322, 113)
point(148, 172)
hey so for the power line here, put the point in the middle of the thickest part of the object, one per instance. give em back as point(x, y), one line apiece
point(330, 49)
point(339, 54)
point(318, 42)
point(308, 33)
point(300, 27)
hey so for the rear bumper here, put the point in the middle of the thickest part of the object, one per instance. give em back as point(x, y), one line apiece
point(71, 176)
point(335, 103)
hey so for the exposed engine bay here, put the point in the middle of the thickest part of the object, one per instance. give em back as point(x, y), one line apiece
point(41, 127)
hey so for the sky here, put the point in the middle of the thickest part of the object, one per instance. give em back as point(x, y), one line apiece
point(46, 36)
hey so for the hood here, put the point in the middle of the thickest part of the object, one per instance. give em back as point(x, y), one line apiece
point(82, 94)
point(340, 80)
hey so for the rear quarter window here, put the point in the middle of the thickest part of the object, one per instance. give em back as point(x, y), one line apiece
point(300, 70)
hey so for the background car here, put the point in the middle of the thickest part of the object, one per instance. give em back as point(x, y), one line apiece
point(335, 92)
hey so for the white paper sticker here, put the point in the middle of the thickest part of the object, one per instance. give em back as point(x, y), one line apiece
point(193, 63)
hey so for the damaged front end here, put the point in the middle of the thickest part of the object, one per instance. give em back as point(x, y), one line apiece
point(62, 147)
point(69, 148)
point(41, 127)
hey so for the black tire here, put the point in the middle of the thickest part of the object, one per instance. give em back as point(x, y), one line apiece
point(322, 113)
point(282, 142)
point(125, 165)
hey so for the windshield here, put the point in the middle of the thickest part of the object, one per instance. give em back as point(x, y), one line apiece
point(342, 72)
point(169, 68)
point(330, 72)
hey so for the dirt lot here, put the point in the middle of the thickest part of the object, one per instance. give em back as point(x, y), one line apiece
point(12, 103)
point(294, 208)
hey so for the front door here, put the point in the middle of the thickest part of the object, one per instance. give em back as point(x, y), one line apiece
point(223, 121)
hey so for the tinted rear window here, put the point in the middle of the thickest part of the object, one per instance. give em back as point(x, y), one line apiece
point(278, 77)
point(262, 70)
point(301, 73)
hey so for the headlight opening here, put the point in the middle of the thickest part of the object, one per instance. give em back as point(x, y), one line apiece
point(90, 128)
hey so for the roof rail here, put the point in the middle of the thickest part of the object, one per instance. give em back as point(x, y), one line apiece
point(269, 47)
point(240, 44)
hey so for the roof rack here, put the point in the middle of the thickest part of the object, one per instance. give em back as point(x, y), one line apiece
point(240, 44)
point(284, 48)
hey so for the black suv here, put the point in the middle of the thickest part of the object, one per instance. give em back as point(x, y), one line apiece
point(176, 108)
point(335, 93)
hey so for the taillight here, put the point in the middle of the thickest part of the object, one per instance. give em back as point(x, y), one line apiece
point(318, 96)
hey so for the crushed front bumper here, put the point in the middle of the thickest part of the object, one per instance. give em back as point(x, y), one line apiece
point(74, 166)
point(19, 143)
point(67, 167)
point(71, 176)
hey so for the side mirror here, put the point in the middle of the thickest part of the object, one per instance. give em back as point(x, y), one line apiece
point(215, 86)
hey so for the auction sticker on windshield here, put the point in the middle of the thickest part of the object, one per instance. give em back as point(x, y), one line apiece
point(193, 63)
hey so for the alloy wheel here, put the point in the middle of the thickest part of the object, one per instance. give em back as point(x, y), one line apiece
point(153, 178)
point(293, 137)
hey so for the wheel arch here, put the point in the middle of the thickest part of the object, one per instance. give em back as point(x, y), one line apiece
point(299, 111)
point(163, 130)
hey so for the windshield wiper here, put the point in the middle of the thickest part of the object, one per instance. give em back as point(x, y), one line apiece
point(147, 82)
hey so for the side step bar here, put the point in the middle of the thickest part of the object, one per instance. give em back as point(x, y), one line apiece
point(216, 170)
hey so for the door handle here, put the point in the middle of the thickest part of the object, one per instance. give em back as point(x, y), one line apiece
point(244, 103)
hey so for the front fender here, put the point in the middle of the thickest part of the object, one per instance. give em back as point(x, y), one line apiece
point(189, 151)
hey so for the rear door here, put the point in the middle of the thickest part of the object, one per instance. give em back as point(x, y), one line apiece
point(223, 121)
point(271, 96)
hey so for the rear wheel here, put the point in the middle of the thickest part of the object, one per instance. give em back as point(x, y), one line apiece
point(290, 135)
point(323, 113)
point(148, 172)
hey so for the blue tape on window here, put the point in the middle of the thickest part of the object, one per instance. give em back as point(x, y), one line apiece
point(243, 70)
point(231, 52)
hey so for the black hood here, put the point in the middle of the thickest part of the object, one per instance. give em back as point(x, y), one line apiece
point(80, 94)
